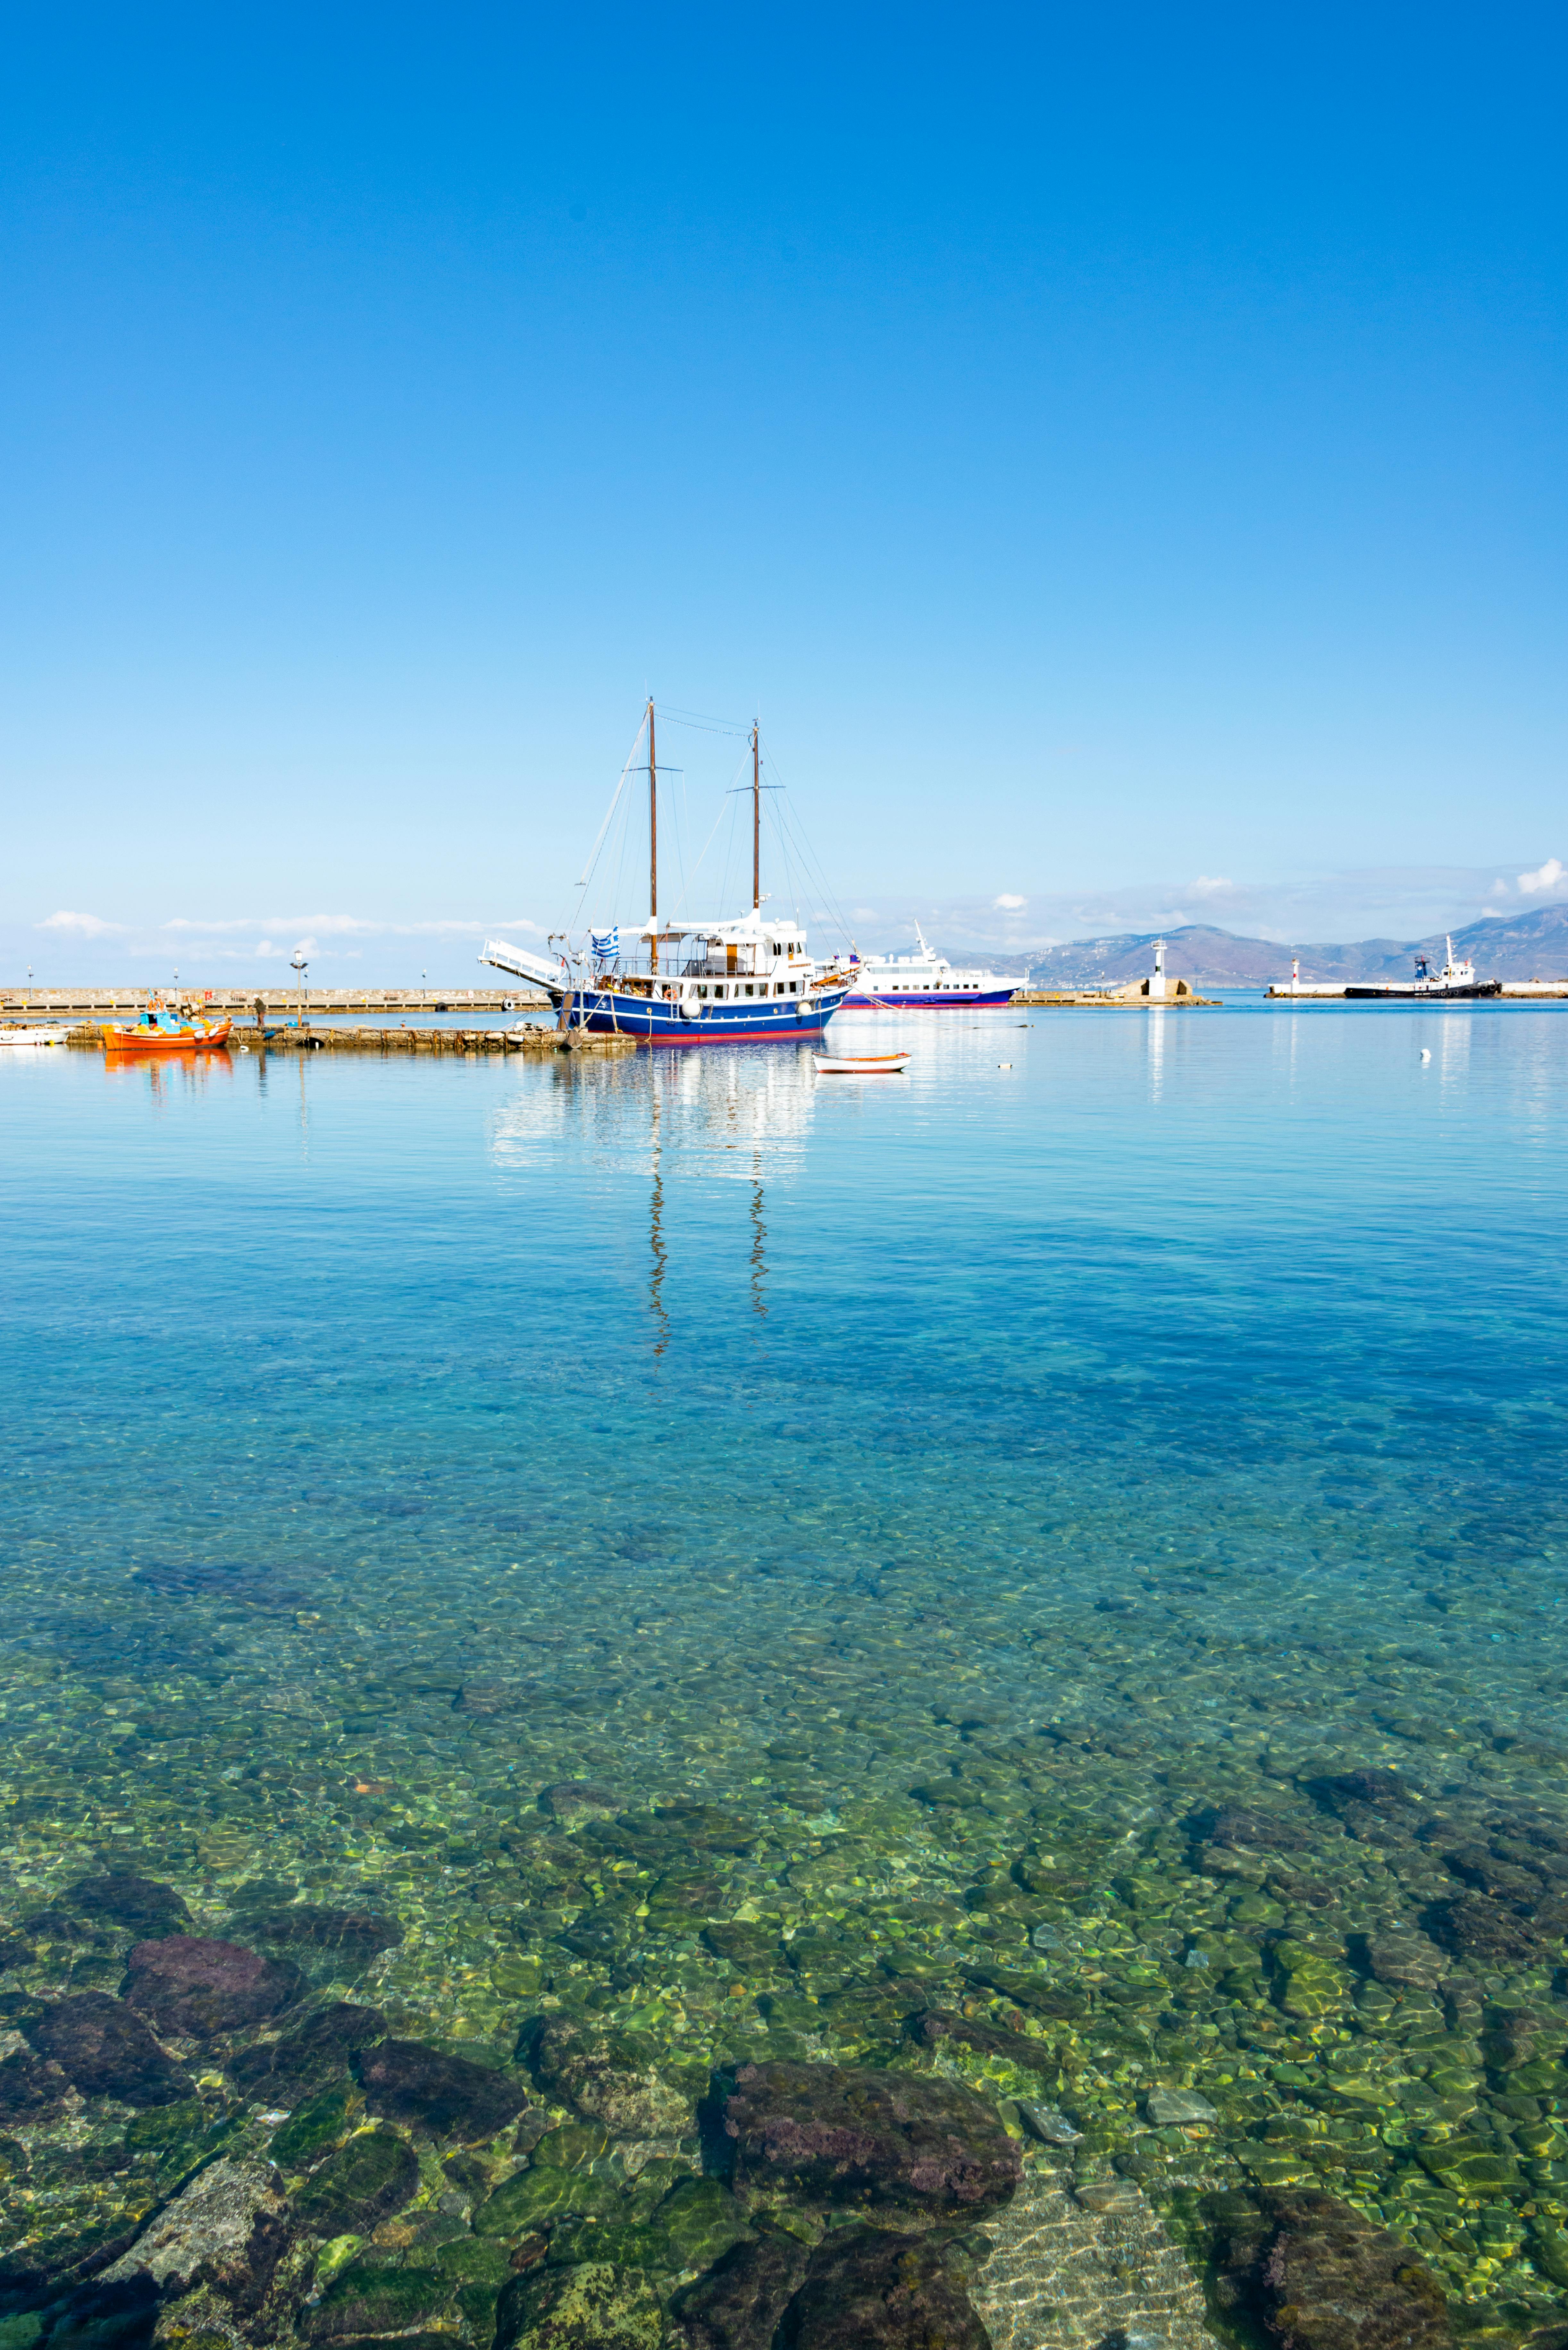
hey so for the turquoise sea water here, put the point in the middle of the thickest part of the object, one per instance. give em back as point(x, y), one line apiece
point(968, 1481)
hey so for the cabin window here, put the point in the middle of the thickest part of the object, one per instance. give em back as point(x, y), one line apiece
point(750, 989)
point(795, 987)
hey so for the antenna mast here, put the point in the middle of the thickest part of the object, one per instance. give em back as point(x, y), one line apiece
point(756, 819)
point(652, 839)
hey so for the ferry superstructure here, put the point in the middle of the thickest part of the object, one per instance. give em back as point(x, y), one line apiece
point(925, 982)
point(748, 980)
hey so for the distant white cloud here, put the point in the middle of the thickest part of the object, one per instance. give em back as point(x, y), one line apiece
point(1008, 904)
point(82, 926)
point(1497, 889)
point(1545, 879)
point(327, 926)
point(1212, 886)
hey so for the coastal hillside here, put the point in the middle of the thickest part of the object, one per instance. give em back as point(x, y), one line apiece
point(1533, 946)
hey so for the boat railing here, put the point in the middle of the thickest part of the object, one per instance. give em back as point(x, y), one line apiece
point(640, 967)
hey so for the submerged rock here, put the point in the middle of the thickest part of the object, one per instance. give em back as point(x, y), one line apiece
point(119, 1898)
point(1383, 1790)
point(1321, 2277)
point(366, 2180)
point(1168, 2109)
point(1490, 1933)
point(702, 2219)
point(323, 2121)
point(1231, 1827)
point(935, 2024)
point(1406, 1962)
point(602, 2077)
point(365, 2299)
point(1034, 1993)
point(407, 2081)
point(592, 2307)
point(107, 2050)
point(31, 2088)
point(738, 2304)
point(199, 1989)
point(358, 1934)
point(484, 1698)
point(846, 2136)
point(312, 2056)
point(752, 1947)
point(577, 1799)
point(119, 2316)
point(886, 2292)
point(229, 2229)
point(1047, 2123)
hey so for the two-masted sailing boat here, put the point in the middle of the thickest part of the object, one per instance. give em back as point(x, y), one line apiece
point(691, 983)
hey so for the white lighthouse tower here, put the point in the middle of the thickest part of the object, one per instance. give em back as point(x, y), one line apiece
point(1157, 985)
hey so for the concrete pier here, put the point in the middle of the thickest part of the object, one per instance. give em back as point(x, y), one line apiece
point(37, 1002)
point(1120, 999)
point(531, 1038)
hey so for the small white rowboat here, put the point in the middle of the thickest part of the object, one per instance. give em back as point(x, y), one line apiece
point(861, 1065)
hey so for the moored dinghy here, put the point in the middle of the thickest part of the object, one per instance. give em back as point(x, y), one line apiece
point(33, 1031)
point(861, 1065)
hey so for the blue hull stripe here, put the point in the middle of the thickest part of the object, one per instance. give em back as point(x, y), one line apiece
point(605, 1012)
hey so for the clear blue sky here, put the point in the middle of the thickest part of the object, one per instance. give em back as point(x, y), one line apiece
point(1112, 446)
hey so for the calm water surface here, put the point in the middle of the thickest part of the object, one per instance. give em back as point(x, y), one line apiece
point(1011, 1499)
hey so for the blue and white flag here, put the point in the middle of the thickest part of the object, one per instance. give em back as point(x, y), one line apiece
point(605, 944)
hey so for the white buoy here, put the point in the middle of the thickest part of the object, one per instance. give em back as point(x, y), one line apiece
point(1004, 1065)
point(1426, 1052)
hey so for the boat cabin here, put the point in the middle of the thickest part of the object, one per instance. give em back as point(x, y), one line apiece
point(756, 954)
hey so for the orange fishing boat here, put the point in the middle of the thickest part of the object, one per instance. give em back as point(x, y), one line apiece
point(159, 1030)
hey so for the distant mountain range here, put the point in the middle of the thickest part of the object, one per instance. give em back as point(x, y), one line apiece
point(1533, 946)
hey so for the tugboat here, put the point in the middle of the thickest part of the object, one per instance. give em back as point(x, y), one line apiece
point(1454, 979)
point(160, 1030)
point(745, 980)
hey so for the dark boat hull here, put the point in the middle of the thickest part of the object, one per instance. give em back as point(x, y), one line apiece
point(1424, 994)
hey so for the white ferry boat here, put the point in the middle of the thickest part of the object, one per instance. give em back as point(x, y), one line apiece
point(925, 982)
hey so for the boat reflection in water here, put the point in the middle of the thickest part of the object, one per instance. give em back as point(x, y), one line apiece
point(736, 1116)
point(164, 1076)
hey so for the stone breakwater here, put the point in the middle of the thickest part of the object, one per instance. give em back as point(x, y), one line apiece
point(326, 1039)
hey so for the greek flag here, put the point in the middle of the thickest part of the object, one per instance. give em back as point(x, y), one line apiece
point(605, 944)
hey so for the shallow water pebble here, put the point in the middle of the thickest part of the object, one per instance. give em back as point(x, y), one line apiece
point(531, 1590)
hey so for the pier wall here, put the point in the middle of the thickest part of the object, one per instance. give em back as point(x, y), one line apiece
point(55, 1000)
point(422, 1041)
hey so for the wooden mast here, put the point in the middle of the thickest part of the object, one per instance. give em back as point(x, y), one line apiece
point(756, 821)
point(652, 839)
